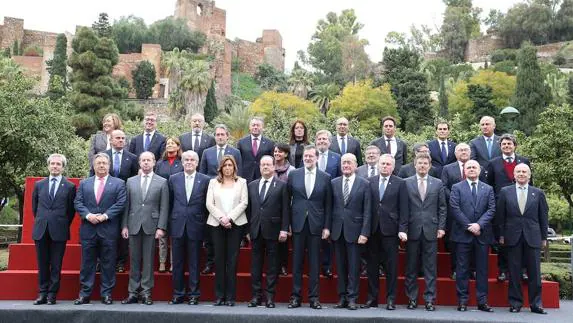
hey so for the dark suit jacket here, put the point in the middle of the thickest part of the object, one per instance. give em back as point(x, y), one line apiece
point(157, 145)
point(465, 211)
point(352, 146)
point(532, 224)
point(332, 164)
point(112, 203)
point(53, 215)
point(496, 175)
point(191, 214)
point(317, 208)
point(409, 170)
point(128, 168)
point(250, 164)
point(436, 154)
point(401, 155)
point(210, 164)
point(351, 219)
point(391, 214)
point(271, 215)
point(164, 169)
point(364, 171)
point(428, 215)
point(205, 142)
point(479, 150)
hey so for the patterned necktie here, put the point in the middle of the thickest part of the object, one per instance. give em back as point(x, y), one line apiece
point(188, 186)
point(343, 145)
point(308, 183)
point(489, 147)
point(522, 200)
point(388, 146)
point(144, 187)
point(372, 171)
point(444, 152)
point(255, 146)
point(53, 188)
point(463, 173)
point(263, 191)
point(422, 189)
point(322, 162)
point(474, 192)
point(346, 191)
point(100, 189)
point(116, 164)
point(196, 142)
point(147, 141)
point(220, 154)
point(382, 187)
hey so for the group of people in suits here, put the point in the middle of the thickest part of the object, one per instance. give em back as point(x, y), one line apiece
point(197, 188)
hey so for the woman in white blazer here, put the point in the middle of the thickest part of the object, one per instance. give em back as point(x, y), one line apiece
point(227, 199)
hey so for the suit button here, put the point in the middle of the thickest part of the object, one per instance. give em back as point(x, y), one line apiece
point(142, 204)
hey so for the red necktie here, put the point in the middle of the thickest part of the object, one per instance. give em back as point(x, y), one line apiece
point(255, 146)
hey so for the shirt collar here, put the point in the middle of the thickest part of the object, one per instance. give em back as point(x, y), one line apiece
point(224, 147)
point(486, 138)
point(306, 170)
point(526, 186)
point(150, 174)
point(391, 138)
point(193, 174)
point(512, 156)
point(150, 133)
point(470, 181)
point(419, 178)
point(58, 178)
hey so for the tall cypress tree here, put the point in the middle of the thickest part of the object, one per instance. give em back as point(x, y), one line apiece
point(211, 109)
point(531, 94)
point(57, 67)
point(443, 98)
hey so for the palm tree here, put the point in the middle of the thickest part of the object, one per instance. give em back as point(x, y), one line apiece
point(300, 82)
point(173, 62)
point(237, 120)
point(323, 94)
point(195, 81)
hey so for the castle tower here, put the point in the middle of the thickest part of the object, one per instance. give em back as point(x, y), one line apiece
point(202, 15)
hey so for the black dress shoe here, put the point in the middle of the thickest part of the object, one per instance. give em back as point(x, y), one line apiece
point(107, 300)
point(390, 306)
point(524, 277)
point(315, 305)
point(254, 302)
point(514, 309)
point(463, 307)
point(41, 300)
point(341, 304)
point(176, 300)
point(270, 304)
point(412, 305)
point(352, 306)
point(473, 275)
point(453, 276)
point(194, 300)
point(430, 307)
point(538, 310)
point(501, 277)
point(294, 303)
point(283, 271)
point(51, 301)
point(120, 269)
point(327, 273)
point(147, 300)
point(131, 299)
point(364, 273)
point(207, 270)
point(485, 308)
point(219, 302)
point(230, 303)
point(369, 304)
point(82, 300)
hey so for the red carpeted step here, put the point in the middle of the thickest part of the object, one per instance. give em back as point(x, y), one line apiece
point(21, 284)
point(23, 257)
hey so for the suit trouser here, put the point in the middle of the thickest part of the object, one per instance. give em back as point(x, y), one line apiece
point(227, 243)
point(382, 249)
point(326, 254)
point(209, 246)
point(141, 257)
point(519, 254)
point(163, 250)
point(49, 254)
point(122, 250)
point(428, 250)
point(283, 253)
point(301, 241)
point(92, 249)
point(185, 248)
point(479, 252)
point(262, 247)
point(348, 268)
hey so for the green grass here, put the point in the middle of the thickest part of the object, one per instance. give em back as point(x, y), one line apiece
point(3, 259)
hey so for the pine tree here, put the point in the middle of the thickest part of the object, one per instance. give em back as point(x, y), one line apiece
point(531, 94)
point(102, 27)
point(481, 96)
point(57, 66)
point(211, 109)
point(144, 79)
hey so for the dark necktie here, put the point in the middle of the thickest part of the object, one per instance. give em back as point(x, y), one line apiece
point(372, 171)
point(444, 152)
point(346, 191)
point(147, 141)
point(263, 191)
point(116, 164)
point(508, 160)
point(474, 192)
point(463, 172)
point(388, 146)
point(255, 146)
point(343, 145)
point(196, 143)
point(53, 188)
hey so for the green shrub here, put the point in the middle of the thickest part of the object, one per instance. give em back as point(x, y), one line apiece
point(9, 213)
point(560, 273)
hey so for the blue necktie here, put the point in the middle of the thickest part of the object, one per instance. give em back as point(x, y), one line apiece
point(444, 153)
point(474, 192)
point(343, 145)
point(53, 188)
point(489, 147)
point(382, 188)
point(147, 141)
point(116, 164)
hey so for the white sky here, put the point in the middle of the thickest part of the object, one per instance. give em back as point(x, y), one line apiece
point(295, 19)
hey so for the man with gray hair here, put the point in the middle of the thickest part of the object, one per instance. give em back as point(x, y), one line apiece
point(371, 167)
point(343, 142)
point(409, 170)
point(213, 155)
point(53, 210)
point(196, 140)
point(252, 147)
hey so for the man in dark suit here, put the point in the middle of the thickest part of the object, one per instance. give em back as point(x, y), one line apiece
point(426, 224)
point(343, 143)
point(473, 206)
point(452, 174)
point(369, 169)
point(409, 169)
point(188, 215)
point(53, 210)
point(144, 220)
point(523, 216)
point(350, 228)
point(150, 140)
point(485, 147)
point(389, 144)
point(252, 148)
point(196, 140)
point(311, 216)
point(442, 149)
point(499, 175)
point(99, 201)
point(328, 162)
point(212, 155)
point(268, 214)
point(389, 199)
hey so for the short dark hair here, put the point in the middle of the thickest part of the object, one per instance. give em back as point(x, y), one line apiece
point(508, 136)
point(284, 148)
point(311, 146)
point(391, 118)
